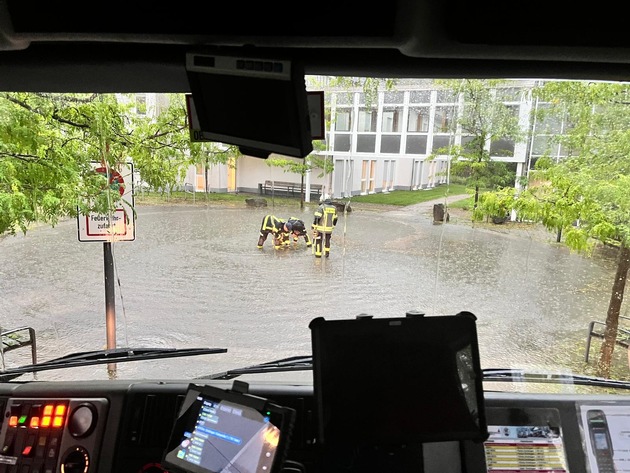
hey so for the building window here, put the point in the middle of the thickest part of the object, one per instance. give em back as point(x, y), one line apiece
point(390, 144)
point(420, 96)
point(416, 144)
point(366, 143)
point(549, 124)
point(343, 120)
point(141, 104)
point(441, 142)
point(443, 122)
point(368, 171)
point(342, 142)
point(509, 94)
point(418, 119)
point(391, 120)
point(446, 96)
point(505, 146)
point(502, 148)
point(344, 98)
point(389, 167)
point(393, 97)
point(367, 120)
point(468, 142)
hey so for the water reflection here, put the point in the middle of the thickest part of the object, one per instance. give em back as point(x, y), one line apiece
point(194, 277)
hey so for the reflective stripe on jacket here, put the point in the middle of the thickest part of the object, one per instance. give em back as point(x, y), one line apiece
point(325, 218)
point(272, 223)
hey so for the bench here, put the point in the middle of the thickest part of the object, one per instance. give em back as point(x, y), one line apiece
point(623, 335)
point(286, 188)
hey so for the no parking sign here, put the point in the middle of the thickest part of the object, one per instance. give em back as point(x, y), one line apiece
point(119, 224)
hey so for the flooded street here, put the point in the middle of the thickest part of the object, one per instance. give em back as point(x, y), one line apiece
point(194, 278)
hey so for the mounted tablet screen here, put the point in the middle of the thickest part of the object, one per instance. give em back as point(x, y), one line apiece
point(397, 381)
point(258, 104)
point(225, 431)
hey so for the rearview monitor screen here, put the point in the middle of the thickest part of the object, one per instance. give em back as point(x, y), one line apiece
point(258, 104)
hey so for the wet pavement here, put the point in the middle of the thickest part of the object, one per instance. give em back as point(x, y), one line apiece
point(194, 277)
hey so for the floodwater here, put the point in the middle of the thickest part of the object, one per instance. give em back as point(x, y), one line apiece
point(193, 277)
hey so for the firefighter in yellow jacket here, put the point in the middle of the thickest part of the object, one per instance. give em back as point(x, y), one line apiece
point(325, 219)
point(277, 227)
point(299, 230)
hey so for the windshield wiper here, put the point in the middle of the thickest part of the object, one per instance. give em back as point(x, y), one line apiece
point(114, 355)
point(293, 363)
point(522, 376)
point(305, 363)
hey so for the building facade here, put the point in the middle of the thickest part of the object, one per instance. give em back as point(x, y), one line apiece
point(387, 142)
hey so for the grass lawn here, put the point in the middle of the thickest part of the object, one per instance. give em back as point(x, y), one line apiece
point(201, 198)
point(398, 198)
point(403, 198)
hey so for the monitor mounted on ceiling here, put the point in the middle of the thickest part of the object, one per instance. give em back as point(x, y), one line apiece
point(257, 103)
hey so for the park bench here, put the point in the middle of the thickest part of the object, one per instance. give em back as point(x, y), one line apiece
point(595, 329)
point(286, 188)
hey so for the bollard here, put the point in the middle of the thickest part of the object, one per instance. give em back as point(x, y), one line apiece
point(438, 213)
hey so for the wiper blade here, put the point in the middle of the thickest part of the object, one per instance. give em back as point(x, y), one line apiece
point(114, 355)
point(293, 363)
point(523, 376)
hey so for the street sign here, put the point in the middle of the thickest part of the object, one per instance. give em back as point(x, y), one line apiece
point(120, 225)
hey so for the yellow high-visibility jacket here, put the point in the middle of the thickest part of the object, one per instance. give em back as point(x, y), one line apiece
point(325, 218)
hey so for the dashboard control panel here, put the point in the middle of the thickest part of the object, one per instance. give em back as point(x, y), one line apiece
point(51, 434)
point(124, 427)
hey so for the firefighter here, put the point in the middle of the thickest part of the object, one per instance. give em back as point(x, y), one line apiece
point(325, 219)
point(275, 226)
point(299, 230)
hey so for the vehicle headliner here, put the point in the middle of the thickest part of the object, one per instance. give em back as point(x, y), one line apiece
point(140, 47)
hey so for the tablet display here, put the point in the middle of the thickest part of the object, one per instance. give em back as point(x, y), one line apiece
point(225, 431)
point(397, 381)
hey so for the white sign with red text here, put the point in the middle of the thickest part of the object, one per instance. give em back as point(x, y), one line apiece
point(119, 225)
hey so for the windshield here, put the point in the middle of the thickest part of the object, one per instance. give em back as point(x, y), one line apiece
point(408, 205)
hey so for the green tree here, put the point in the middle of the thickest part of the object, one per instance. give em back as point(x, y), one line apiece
point(302, 166)
point(159, 143)
point(370, 86)
point(211, 153)
point(587, 194)
point(48, 143)
point(484, 121)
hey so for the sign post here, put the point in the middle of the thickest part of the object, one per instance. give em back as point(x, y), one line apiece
point(118, 225)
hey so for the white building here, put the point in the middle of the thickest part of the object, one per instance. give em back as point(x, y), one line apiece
point(376, 145)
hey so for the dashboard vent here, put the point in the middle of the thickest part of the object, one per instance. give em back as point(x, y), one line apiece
point(153, 416)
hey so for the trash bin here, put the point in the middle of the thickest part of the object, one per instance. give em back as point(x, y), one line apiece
point(438, 213)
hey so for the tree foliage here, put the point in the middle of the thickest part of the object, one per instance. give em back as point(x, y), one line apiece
point(49, 142)
point(301, 167)
point(482, 120)
point(587, 194)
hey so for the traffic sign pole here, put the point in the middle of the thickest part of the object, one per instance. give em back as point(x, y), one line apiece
point(110, 303)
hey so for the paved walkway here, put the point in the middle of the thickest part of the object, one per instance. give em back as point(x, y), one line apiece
point(428, 205)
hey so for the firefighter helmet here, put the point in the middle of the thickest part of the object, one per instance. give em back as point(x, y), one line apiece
point(298, 226)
